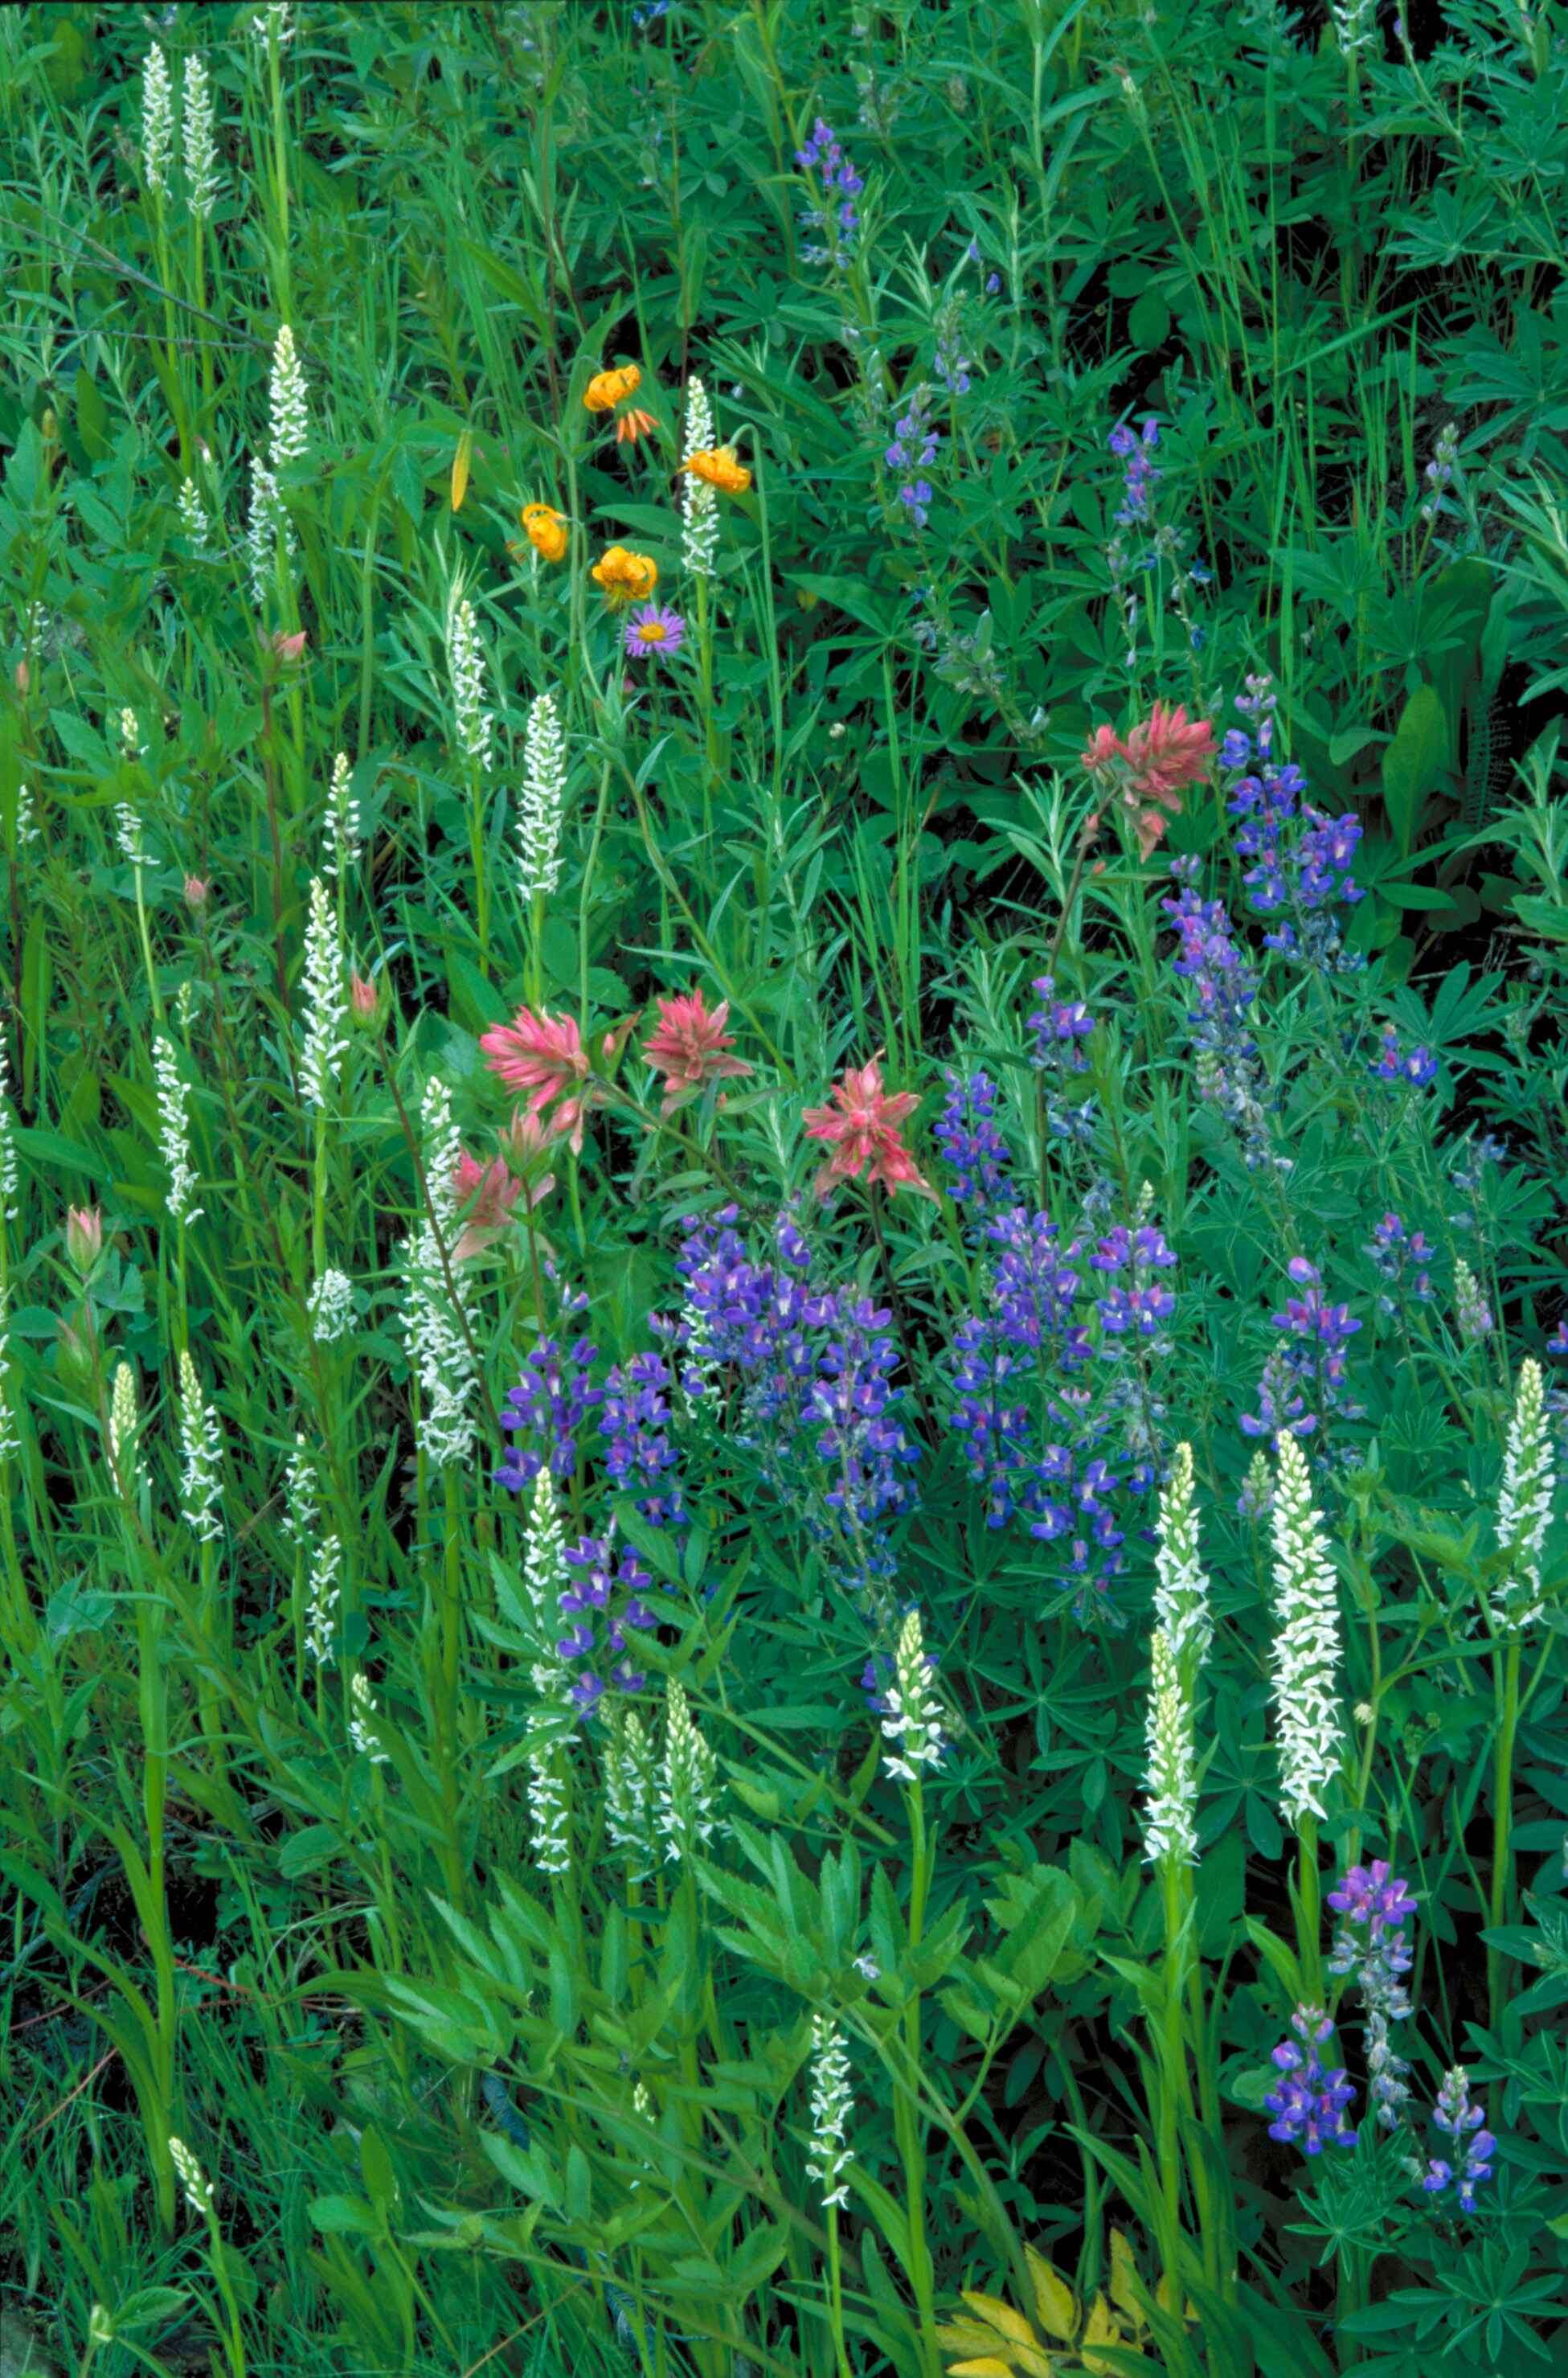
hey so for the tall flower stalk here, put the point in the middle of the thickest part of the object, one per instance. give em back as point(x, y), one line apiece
point(912, 1728)
point(326, 1040)
point(476, 726)
point(1305, 1664)
point(539, 826)
point(1524, 1509)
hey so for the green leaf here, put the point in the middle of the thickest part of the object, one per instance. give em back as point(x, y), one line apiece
point(1413, 764)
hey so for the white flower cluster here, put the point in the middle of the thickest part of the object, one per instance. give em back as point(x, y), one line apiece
point(157, 122)
point(1355, 22)
point(832, 2102)
point(301, 1509)
point(1305, 1655)
point(202, 181)
point(269, 522)
point(698, 501)
point(201, 1443)
point(326, 1000)
point(193, 518)
point(173, 1129)
point(911, 1718)
point(1523, 1504)
point(543, 792)
point(26, 823)
point(193, 2180)
point(466, 661)
point(549, 1799)
point(128, 834)
point(630, 1790)
point(1181, 1596)
point(10, 1443)
point(330, 1305)
point(343, 822)
point(273, 23)
point(363, 1713)
point(122, 1431)
point(438, 1332)
point(687, 1786)
point(1169, 1826)
point(321, 1599)
point(10, 1176)
point(291, 415)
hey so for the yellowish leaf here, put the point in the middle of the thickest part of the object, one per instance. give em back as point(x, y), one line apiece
point(1054, 2307)
point(987, 2367)
point(459, 469)
point(1124, 2276)
point(1003, 2319)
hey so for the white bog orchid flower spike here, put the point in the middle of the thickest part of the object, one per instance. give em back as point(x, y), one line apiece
point(291, 415)
point(202, 1447)
point(832, 2102)
point(1305, 1655)
point(438, 1332)
point(465, 663)
point(543, 794)
point(686, 1793)
point(173, 1131)
point(200, 149)
point(912, 1715)
point(157, 122)
point(1181, 1596)
point(1170, 1819)
point(1524, 1503)
point(698, 501)
point(326, 1000)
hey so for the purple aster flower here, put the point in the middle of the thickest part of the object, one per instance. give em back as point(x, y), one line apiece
point(1309, 2100)
point(653, 631)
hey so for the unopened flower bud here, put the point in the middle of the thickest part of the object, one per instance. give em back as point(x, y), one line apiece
point(364, 1000)
point(196, 890)
point(289, 648)
point(84, 1238)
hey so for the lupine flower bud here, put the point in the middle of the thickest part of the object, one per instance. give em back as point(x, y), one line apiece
point(1305, 1655)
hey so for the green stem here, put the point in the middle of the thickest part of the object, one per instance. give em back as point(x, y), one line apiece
point(1502, 1825)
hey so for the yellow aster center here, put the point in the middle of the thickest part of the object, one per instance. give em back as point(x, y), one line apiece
point(650, 631)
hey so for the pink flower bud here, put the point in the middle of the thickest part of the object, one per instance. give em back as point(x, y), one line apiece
point(289, 648)
point(21, 677)
point(364, 999)
point(84, 1237)
point(196, 890)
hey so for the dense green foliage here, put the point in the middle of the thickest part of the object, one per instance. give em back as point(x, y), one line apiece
point(509, 1972)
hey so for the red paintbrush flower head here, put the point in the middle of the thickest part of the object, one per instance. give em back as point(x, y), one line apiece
point(489, 1193)
point(1167, 751)
point(541, 1054)
point(689, 1047)
point(862, 1126)
point(1157, 757)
